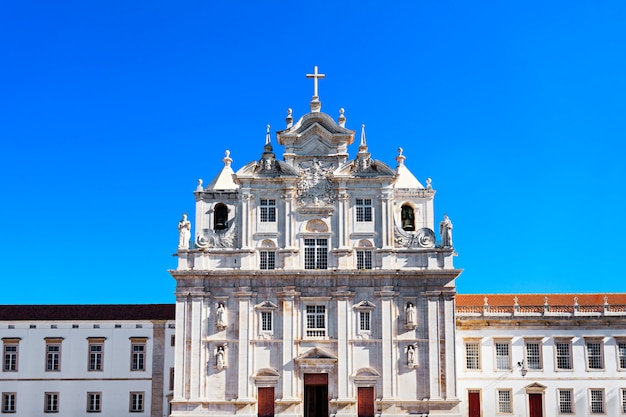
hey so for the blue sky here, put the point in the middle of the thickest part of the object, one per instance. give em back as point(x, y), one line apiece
point(111, 110)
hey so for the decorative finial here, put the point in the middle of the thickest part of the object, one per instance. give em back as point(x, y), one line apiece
point(227, 159)
point(429, 185)
point(267, 135)
point(316, 105)
point(199, 187)
point(363, 142)
point(575, 301)
point(289, 118)
point(342, 118)
point(400, 158)
point(484, 299)
point(515, 300)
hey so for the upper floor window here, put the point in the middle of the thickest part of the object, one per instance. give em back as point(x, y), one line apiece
point(621, 354)
point(472, 355)
point(53, 355)
point(265, 312)
point(267, 259)
point(363, 209)
point(10, 352)
point(220, 217)
point(96, 354)
point(136, 402)
point(316, 321)
point(504, 401)
point(407, 215)
point(9, 402)
point(533, 354)
point(563, 354)
point(503, 355)
point(594, 348)
point(94, 402)
point(566, 401)
point(268, 210)
point(51, 402)
point(363, 259)
point(622, 399)
point(315, 253)
point(138, 355)
point(596, 401)
point(364, 310)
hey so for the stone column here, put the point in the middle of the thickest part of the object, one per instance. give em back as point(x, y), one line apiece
point(386, 220)
point(181, 354)
point(290, 317)
point(244, 358)
point(245, 215)
point(434, 365)
point(345, 327)
point(289, 220)
point(197, 368)
point(343, 220)
point(449, 334)
point(389, 358)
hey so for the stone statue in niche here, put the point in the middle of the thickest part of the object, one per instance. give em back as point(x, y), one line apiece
point(410, 356)
point(445, 230)
point(220, 360)
point(220, 316)
point(410, 318)
point(184, 232)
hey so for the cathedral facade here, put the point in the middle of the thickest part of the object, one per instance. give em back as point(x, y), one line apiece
point(315, 284)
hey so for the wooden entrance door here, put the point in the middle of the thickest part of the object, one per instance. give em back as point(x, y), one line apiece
point(473, 403)
point(266, 402)
point(366, 402)
point(315, 395)
point(535, 404)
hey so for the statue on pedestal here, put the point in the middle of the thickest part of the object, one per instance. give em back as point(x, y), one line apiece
point(184, 232)
point(445, 230)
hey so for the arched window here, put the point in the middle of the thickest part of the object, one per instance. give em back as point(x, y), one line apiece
point(408, 218)
point(220, 217)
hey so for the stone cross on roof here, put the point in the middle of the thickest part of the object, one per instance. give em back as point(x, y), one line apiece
point(315, 102)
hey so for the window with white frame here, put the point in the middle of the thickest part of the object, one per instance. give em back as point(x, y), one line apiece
point(594, 348)
point(267, 259)
point(363, 259)
point(364, 318)
point(94, 402)
point(315, 253)
point(596, 401)
point(623, 399)
point(138, 355)
point(265, 312)
point(363, 209)
point(96, 354)
point(51, 402)
point(621, 354)
point(10, 352)
point(268, 210)
point(563, 354)
point(503, 354)
point(566, 401)
point(315, 321)
point(504, 401)
point(9, 403)
point(53, 355)
point(136, 402)
point(472, 355)
point(533, 354)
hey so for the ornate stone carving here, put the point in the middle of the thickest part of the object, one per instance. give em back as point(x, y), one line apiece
point(315, 184)
point(218, 239)
point(422, 238)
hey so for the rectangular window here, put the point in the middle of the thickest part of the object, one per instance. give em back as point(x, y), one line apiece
point(533, 354)
point(503, 357)
point(621, 354)
point(171, 379)
point(51, 402)
point(266, 321)
point(472, 355)
point(268, 259)
point(9, 402)
point(94, 402)
point(268, 210)
point(596, 398)
point(96, 351)
point(623, 399)
point(315, 321)
point(138, 355)
point(504, 401)
point(364, 259)
point(315, 253)
point(566, 403)
point(53, 356)
point(363, 209)
point(563, 354)
point(364, 321)
point(136, 402)
point(10, 357)
point(594, 354)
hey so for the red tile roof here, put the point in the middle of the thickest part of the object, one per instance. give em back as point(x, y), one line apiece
point(88, 312)
point(538, 299)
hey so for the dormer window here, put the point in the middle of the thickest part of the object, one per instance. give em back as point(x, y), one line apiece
point(408, 218)
point(220, 217)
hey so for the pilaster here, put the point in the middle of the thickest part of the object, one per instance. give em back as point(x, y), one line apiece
point(344, 326)
point(289, 316)
point(434, 363)
point(244, 363)
point(388, 352)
